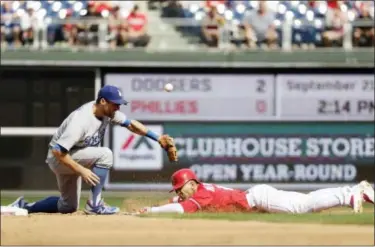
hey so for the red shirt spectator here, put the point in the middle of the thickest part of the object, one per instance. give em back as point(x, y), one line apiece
point(211, 3)
point(311, 3)
point(103, 6)
point(136, 20)
point(333, 4)
point(68, 26)
point(100, 6)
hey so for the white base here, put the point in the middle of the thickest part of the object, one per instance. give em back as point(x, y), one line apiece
point(7, 210)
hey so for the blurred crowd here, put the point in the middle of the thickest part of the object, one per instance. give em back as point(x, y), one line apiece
point(260, 23)
point(126, 24)
point(247, 23)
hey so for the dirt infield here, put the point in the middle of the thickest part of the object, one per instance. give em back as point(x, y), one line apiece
point(80, 229)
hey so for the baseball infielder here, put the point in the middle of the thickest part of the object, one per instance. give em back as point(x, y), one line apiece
point(74, 154)
point(194, 196)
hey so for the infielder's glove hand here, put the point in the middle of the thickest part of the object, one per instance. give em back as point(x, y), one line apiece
point(167, 143)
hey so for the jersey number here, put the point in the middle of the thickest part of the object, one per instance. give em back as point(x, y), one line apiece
point(93, 140)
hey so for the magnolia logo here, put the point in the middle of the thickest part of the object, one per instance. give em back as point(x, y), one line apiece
point(130, 148)
point(136, 152)
point(132, 144)
point(136, 144)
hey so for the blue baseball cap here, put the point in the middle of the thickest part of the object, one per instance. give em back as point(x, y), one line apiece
point(112, 94)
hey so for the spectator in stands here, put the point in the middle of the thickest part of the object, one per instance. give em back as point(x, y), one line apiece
point(87, 33)
point(312, 3)
point(117, 28)
point(214, 3)
point(260, 28)
point(100, 6)
point(211, 27)
point(172, 9)
point(334, 27)
point(364, 35)
point(156, 4)
point(10, 28)
point(333, 4)
point(137, 28)
point(26, 22)
point(124, 6)
point(70, 30)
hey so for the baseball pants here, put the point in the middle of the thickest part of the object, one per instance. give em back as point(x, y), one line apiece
point(70, 183)
point(272, 200)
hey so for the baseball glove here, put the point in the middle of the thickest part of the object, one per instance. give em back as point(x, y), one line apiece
point(167, 143)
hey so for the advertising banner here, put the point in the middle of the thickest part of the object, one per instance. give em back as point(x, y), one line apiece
point(196, 97)
point(300, 154)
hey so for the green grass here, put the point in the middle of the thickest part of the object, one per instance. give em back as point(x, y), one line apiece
point(333, 216)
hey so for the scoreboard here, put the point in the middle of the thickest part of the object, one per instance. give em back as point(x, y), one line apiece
point(197, 97)
point(247, 97)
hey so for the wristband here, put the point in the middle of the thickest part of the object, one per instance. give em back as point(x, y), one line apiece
point(126, 123)
point(60, 148)
point(152, 135)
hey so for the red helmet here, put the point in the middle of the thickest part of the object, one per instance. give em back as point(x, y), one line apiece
point(181, 177)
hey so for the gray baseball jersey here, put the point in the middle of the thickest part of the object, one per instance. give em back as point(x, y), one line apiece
point(81, 134)
point(82, 129)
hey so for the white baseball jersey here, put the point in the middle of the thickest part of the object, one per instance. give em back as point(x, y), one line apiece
point(82, 129)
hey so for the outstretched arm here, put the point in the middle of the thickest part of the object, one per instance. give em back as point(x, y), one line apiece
point(140, 129)
point(167, 208)
point(176, 205)
point(134, 126)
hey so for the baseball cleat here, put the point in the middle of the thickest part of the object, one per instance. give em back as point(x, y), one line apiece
point(18, 203)
point(357, 199)
point(368, 191)
point(100, 209)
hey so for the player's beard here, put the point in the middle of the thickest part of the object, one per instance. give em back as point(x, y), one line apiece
point(110, 113)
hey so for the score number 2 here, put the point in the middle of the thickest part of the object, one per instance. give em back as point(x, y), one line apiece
point(261, 86)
